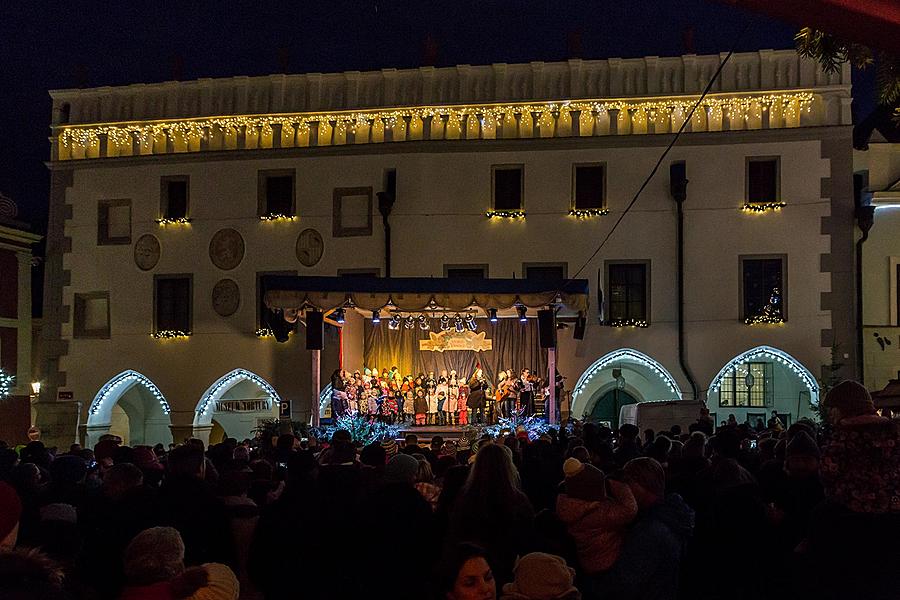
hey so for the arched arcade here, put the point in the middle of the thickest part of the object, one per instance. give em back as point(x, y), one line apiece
point(131, 406)
point(234, 406)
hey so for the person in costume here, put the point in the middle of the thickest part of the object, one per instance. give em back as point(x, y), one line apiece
point(420, 406)
point(441, 408)
point(462, 405)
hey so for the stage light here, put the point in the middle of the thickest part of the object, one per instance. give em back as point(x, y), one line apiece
point(394, 322)
point(423, 323)
point(339, 316)
point(459, 323)
point(492, 315)
point(410, 322)
point(522, 312)
point(470, 322)
point(376, 317)
point(445, 323)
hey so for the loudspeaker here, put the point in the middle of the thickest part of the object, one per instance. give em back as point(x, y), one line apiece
point(580, 326)
point(547, 328)
point(678, 180)
point(315, 332)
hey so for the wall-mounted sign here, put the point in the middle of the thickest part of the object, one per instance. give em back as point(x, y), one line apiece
point(243, 406)
point(66, 395)
point(454, 340)
point(284, 409)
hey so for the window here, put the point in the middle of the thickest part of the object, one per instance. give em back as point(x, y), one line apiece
point(113, 222)
point(91, 319)
point(550, 272)
point(174, 193)
point(466, 271)
point(627, 285)
point(748, 384)
point(508, 184)
point(762, 181)
point(588, 187)
point(173, 303)
point(276, 193)
point(763, 290)
point(352, 212)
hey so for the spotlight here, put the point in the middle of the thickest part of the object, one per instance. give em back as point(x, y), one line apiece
point(459, 323)
point(410, 322)
point(394, 322)
point(445, 323)
point(376, 317)
point(522, 311)
point(470, 322)
point(492, 315)
point(339, 316)
point(423, 323)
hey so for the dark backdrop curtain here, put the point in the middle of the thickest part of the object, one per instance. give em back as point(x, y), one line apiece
point(516, 346)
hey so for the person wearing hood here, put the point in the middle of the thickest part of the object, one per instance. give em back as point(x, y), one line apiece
point(648, 564)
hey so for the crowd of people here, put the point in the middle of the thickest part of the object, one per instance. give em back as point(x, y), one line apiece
point(812, 511)
point(445, 398)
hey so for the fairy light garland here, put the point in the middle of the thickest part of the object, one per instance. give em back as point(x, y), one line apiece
point(626, 355)
point(170, 334)
point(534, 118)
point(278, 217)
point(173, 221)
point(505, 214)
point(215, 393)
point(760, 207)
point(776, 356)
point(6, 384)
point(120, 384)
point(628, 323)
point(587, 213)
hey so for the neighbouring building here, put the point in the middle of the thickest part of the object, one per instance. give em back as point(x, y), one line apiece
point(877, 167)
point(170, 202)
point(16, 325)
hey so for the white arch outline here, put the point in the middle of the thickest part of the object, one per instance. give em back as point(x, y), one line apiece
point(100, 410)
point(779, 356)
point(203, 411)
point(625, 355)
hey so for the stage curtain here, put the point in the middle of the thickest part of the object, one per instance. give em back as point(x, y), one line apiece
point(516, 346)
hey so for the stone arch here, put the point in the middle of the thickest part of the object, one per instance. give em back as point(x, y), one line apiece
point(219, 390)
point(645, 379)
point(142, 402)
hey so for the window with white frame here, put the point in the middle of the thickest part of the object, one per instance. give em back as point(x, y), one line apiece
point(747, 385)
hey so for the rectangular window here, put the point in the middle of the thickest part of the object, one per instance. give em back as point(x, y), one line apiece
point(747, 385)
point(276, 193)
point(589, 187)
point(172, 303)
point(549, 272)
point(763, 290)
point(91, 318)
point(352, 212)
point(174, 194)
point(466, 271)
point(113, 222)
point(627, 292)
point(508, 187)
point(762, 180)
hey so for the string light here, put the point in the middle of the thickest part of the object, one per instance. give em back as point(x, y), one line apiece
point(228, 381)
point(6, 384)
point(186, 134)
point(170, 334)
point(278, 217)
point(264, 332)
point(630, 356)
point(776, 356)
point(770, 313)
point(628, 323)
point(587, 213)
point(505, 214)
point(173, 221)
point(760, 207)
point(120, 384)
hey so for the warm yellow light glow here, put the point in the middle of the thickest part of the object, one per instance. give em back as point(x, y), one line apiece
point(587, 213)
point(505, 214)
point(170, 221)
point(170, 334)
point(278, 217)
point(629, 323)
point(760, 207)
point(36, 387)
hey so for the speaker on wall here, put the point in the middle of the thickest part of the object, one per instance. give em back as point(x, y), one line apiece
point(315, 334)
point(547, 328)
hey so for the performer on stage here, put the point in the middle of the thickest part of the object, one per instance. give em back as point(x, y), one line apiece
point(420, 406)
point(526, 393)
point(508, 393)
point(476, 399)
point(453, 394)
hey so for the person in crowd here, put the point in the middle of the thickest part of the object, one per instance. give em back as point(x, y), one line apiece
point(594, 518)
point(493, 512)
point(29, 574)
point(648, 564)
point(425, 484)
point(466, 575)
point(629, 446)
point(539, 576)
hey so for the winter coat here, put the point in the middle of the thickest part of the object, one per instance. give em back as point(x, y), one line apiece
point(648, 565)
point(598, 527)
point(420, 404)
point(861, 463)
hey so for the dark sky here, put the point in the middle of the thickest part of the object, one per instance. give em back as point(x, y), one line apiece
point(49, 45)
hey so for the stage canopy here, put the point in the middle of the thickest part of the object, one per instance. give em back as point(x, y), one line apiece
point(293, 294)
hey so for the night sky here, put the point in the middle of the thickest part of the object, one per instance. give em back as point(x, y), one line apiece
point(53, 45)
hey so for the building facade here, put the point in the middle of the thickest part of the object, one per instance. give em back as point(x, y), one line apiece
point(170, 201)
point(16, 325)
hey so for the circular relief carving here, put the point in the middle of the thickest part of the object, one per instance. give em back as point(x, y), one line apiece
point(226, 249)
point(146, 252)
point(226, 297)
point(310, 247)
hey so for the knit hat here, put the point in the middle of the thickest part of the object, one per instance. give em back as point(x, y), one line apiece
point(802, 445)
point(10, 509)
point(221, 585)
point(155, 554)
point(390, 447)
point(402, 468)
point(583, 480)
point(540, 576)
point(851, 398)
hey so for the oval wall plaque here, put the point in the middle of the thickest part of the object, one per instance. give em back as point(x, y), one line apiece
point(146, 252)
point(226, 297)
point(226, 249)
point(310, 247)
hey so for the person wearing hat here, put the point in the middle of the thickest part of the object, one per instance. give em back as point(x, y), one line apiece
point(595, 520)
point(540, 576)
